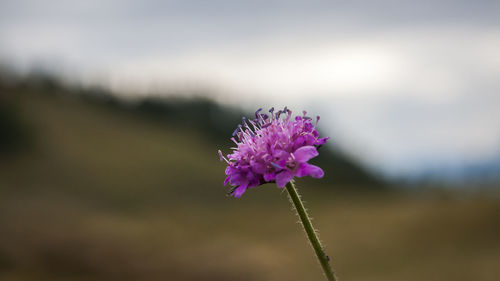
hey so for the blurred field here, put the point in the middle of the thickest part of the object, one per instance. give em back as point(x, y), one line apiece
point(105, 194)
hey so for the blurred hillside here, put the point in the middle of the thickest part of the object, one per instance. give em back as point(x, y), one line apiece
point(96, 188)
point(84, 135)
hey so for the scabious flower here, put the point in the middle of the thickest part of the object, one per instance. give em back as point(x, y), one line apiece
point(272, 148)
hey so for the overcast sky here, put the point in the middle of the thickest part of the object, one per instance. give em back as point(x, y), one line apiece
point(404, 85)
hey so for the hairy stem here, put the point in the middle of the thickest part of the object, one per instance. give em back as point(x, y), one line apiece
point(311, 233)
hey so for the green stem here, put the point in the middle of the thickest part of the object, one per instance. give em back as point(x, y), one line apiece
point(311, 233)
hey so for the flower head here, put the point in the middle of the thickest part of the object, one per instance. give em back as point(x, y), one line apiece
point(272, 148)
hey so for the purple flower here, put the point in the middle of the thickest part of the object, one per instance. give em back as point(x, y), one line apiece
point(272, 148)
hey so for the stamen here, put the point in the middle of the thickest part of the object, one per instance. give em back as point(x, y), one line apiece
point(257, 112)
point(276, 165)
point(236, 130)
point(266, 125)
point(255, 128)
point(289, 113)
point(222, 158)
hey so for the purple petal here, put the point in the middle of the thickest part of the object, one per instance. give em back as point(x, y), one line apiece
point(322, 141)
point(305, 153)
point(310, 170)
point(269, 176)
point(283, 178)
point(259, 167)
point(253, 181)
point(226, 181)
point(229, 170)
point(237, 179)
point(240, 190)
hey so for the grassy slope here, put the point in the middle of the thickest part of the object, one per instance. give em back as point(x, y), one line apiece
point(104, 195)
point(93, 151)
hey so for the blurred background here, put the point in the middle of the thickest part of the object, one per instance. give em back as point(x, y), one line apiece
point(112, 112)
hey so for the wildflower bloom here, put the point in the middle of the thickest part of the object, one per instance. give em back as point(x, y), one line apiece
point(272, 148)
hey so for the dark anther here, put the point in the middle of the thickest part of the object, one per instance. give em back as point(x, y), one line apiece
point(236, 130)
point(257, 112)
